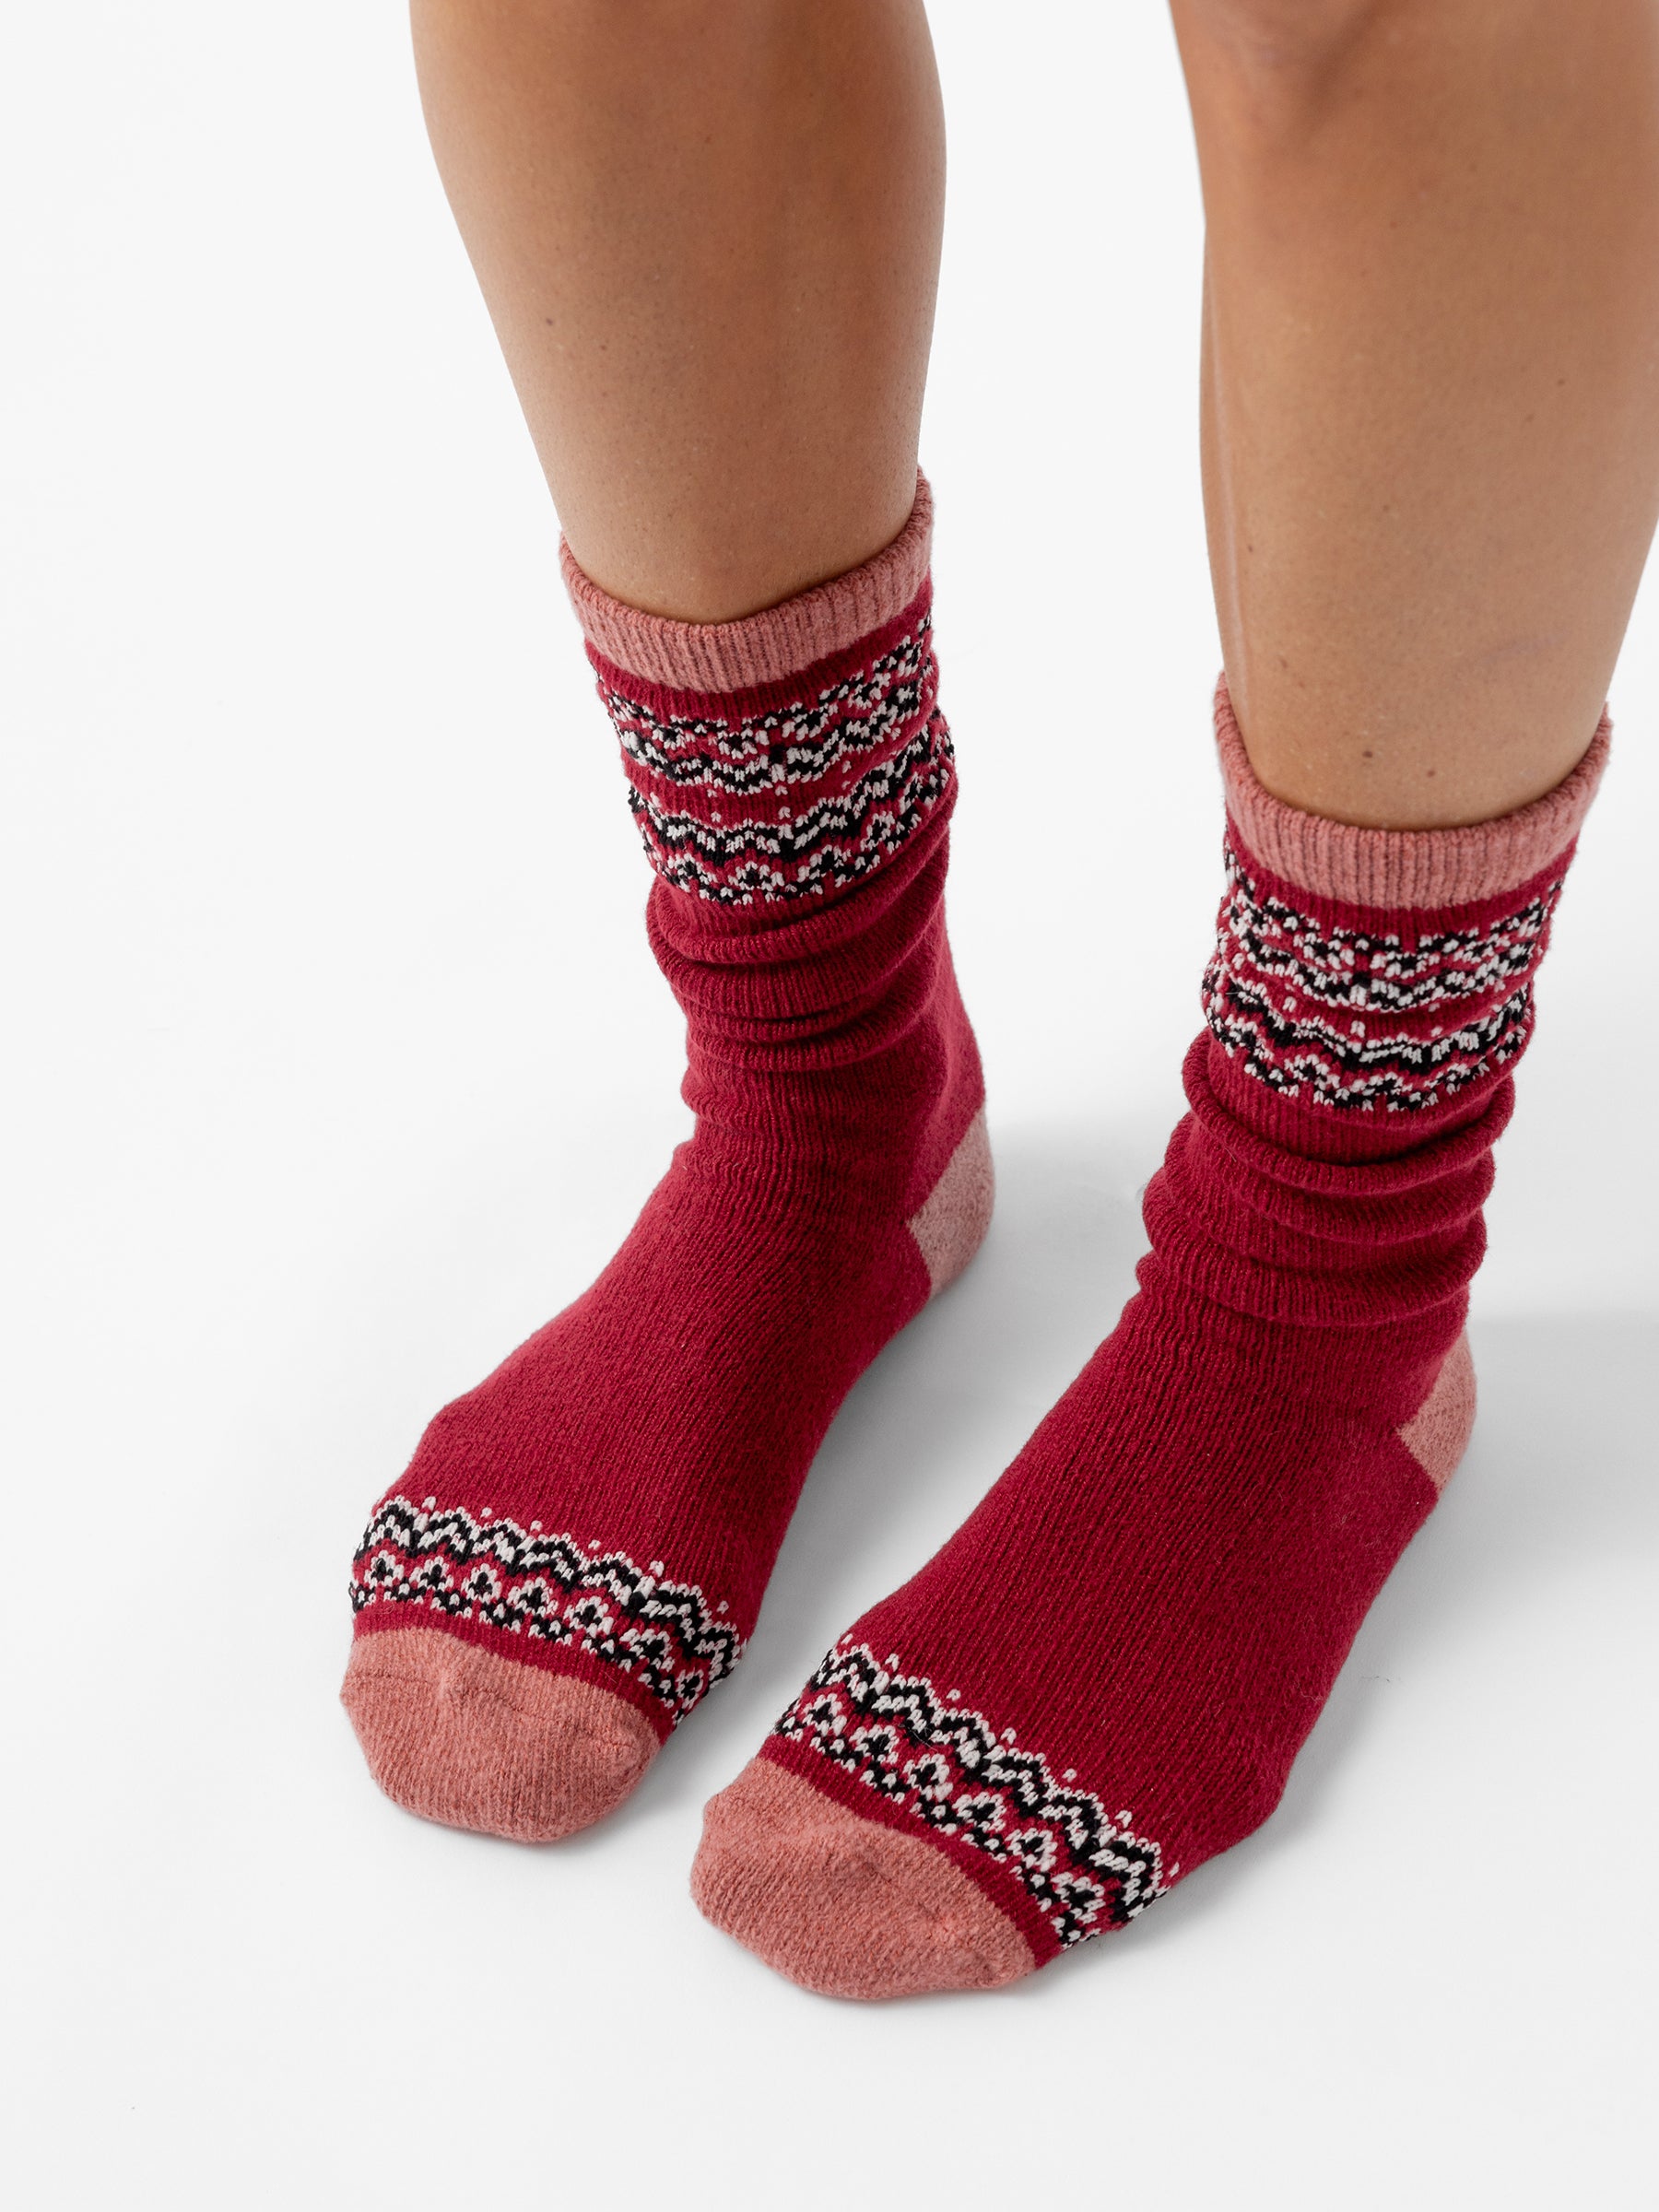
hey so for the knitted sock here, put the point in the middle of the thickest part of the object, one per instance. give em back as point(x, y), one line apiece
point(579, 1548)
point(1104, 1675)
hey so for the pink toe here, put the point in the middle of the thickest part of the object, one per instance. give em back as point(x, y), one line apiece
point(847, 1907)
point(459, 1735)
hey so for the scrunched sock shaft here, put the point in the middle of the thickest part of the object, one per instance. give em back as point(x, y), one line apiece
point(1103, 1677)
point(579, 1548)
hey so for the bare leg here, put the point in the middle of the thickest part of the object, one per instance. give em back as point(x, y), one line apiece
point(708, 231)
point(1433, 465)
point(1431, 384)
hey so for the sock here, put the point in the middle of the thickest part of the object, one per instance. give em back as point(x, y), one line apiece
point(579, 1548)
point(1104, 1675)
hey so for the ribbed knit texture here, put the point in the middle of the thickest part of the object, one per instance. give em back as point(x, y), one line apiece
point(1402, 867)
point(606, 1508)
point(1103, 1677)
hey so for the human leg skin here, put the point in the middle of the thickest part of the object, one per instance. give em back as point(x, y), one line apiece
point(708, 233)
point(1430, 450)
point(1430, 384)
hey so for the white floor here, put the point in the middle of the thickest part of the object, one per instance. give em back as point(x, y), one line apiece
point(337, 1062)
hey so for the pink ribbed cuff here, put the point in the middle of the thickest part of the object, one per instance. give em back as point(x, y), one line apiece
point(763, 648)
point(1403, 867)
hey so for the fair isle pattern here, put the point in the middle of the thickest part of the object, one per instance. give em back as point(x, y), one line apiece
point(1359, 1018)
point(793, 799)
point(549, 1590)
point(947, 1768)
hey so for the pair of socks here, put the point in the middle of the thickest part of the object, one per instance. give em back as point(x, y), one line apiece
point(1103, 1677)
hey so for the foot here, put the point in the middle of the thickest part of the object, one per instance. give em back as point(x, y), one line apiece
point(1103, 1677)
point(1098, 1682)
point(579, 1548)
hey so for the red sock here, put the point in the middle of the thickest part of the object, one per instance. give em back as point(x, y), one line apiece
point(580, 1547)
point(1104, 1675)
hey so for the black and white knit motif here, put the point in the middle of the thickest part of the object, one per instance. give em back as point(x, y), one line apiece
point(947, 1768)
point(1351, 1017)
point(795, 799)
point(664, 1635)
point(800, 743)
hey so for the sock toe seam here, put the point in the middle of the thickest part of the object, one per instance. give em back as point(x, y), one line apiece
point(473, 1691)
point(860, 1857)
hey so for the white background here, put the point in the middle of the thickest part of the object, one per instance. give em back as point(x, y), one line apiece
point(336, 1062)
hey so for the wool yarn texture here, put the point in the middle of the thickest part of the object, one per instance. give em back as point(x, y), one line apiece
point(1102, 1678)
point(577, 1553)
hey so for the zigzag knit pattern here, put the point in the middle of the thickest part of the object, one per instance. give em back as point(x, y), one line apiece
point(577, 1551)
point(779, 799)
point(1103, 1677)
